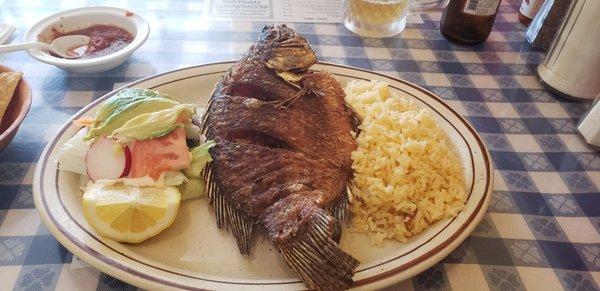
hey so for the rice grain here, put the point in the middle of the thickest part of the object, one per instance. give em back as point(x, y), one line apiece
point(406, 172)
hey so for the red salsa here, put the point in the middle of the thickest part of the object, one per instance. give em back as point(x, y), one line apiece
point(104, 39)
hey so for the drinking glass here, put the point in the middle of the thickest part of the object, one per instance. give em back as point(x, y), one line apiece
point(383, 18)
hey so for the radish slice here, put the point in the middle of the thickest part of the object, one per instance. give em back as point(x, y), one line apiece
point(104, 160)
point(127, 161)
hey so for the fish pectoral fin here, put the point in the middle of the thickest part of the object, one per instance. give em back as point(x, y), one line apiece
point(354, 117)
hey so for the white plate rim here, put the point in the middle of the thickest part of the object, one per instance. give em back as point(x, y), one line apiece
point(126, 273)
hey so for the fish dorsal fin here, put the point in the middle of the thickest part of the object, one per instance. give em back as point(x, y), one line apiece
point(241, 227)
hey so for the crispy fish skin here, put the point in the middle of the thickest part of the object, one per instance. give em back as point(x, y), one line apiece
point(282, 159)
point(271, 174)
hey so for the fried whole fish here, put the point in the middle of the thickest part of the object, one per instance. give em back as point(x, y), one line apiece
point(282, 160)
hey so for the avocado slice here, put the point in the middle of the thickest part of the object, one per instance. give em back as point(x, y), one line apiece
point(124, 106)
point(155, 124)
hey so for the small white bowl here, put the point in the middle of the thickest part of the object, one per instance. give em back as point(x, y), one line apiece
point(80, 18)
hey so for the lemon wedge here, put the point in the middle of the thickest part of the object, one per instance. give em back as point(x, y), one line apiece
point(128, 213)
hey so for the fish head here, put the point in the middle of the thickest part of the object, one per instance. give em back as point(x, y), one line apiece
point(287, 50)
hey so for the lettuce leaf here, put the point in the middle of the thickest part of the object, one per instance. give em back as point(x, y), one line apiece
point(192, 188)
point(200, 157)
point(72, 154)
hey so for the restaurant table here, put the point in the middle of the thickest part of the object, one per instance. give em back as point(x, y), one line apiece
point(542, 228)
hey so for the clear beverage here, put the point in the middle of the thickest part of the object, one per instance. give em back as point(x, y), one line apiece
point(375, 18)
point(383, 18)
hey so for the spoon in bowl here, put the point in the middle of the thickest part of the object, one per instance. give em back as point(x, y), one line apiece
point(68, 46)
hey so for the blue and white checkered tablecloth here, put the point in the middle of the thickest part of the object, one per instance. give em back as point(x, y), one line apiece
point(542, 228)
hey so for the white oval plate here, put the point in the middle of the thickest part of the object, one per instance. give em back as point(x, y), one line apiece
point(193, 253)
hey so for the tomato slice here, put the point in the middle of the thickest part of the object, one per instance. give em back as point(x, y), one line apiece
point(152, 157)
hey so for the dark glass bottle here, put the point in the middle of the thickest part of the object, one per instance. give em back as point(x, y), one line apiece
point(528, 10)
point(468, 22)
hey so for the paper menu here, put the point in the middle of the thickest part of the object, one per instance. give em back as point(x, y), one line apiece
point(322, 11)
point(312, 11)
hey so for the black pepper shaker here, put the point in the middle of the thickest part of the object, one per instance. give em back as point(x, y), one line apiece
point(542, 29)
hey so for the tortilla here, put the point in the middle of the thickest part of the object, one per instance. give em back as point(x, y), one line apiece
point(8, 84)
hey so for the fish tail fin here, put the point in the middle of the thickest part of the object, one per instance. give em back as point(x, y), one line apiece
point(315, 256)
